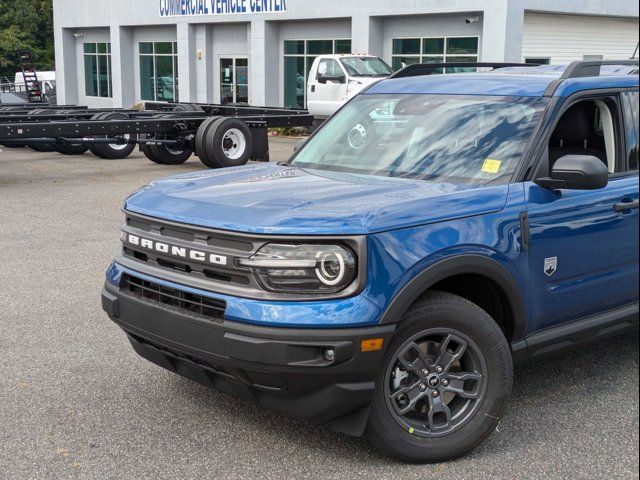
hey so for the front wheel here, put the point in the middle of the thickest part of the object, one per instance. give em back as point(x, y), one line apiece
point(445, 382)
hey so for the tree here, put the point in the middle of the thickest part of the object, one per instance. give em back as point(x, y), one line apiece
point(26, 25)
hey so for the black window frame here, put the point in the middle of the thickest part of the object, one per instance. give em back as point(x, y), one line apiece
point(632, 127)
point(539, 167)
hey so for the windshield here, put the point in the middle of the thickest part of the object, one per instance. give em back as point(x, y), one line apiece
point(366, 67)
point(447, 138)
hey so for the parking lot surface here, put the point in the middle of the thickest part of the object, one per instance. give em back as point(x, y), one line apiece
point(77, 402)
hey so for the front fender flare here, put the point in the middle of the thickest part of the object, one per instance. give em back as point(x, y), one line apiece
point(464, 264)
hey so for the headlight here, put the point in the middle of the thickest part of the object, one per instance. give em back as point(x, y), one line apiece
point(303, 268)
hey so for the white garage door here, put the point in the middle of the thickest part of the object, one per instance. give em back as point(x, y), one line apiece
point(564, 38)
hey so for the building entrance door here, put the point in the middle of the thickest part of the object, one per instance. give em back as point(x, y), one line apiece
point(234, 80)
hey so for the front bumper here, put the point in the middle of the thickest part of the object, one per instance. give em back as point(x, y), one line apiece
point(279, 368)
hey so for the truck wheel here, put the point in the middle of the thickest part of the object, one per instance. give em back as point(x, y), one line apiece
point(71, 148)
point(228, 143)
point(445, 382)
point(111, 151)
point(201, 135)
point(13, 145)
point(167, 154)
point(42, 147)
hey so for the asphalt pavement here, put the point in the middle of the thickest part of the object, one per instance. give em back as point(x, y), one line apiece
point(77, 402)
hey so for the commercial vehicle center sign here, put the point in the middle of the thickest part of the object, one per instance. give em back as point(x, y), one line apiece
point(189, 8)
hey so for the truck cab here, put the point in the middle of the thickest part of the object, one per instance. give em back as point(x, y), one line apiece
point(335, 79)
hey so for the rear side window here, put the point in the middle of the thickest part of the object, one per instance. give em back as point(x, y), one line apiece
point(632, 128)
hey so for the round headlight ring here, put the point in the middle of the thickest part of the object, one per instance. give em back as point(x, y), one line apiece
point(322, 272)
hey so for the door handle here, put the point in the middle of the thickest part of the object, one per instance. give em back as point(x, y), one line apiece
point(624, 206)
point(313, 88)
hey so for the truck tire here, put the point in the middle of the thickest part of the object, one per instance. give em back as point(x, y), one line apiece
point(71, 148)
point(201, 135)
point(13, 145)
point(228, 143)
point(166, 154)
point(445, 382)
point(111, 151)
point(42, 147)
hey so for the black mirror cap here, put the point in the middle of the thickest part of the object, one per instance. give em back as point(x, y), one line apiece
point(577, 172)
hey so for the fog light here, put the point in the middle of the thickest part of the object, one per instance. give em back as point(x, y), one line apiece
point(329, 354)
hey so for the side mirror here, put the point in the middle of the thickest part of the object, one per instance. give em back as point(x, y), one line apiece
point(334, 79)
point(576, 172)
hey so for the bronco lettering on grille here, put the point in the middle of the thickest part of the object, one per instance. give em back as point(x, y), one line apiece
point(174, 250)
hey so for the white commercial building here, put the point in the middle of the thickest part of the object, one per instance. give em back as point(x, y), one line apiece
point(121, 52)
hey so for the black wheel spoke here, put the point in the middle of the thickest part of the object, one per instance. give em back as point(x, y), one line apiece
point(439, 414)
point(405, 399)
point(458, 383)
point(417, 364)
point(452, 349)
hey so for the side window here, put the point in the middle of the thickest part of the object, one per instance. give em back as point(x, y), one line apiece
point(329, 68)
point(632, 128)
point(588, 127)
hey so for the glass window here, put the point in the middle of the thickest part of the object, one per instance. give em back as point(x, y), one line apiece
point(366, 67)
point(406, 46)
point(299, 56)
point(343, 46)
point(462, 46)
point(159, 71)
point(294, 82)
point(433, 46)
point(453, 139)
point(165, 48)
point(146, 47)
point(319, 47)
point(97, 70)
point(435, 50)
point(294, 47)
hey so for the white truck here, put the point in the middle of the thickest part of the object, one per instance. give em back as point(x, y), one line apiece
point(335, 79)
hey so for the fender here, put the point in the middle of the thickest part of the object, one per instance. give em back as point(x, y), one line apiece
point(463, 264)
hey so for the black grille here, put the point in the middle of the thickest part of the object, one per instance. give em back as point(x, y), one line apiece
point(184, 302)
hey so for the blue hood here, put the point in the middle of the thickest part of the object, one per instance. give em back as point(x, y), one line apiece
point(270, 199)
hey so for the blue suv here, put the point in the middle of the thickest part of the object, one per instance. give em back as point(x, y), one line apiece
point(435, 231)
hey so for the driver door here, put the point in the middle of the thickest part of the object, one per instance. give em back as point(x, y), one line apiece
point(583, 256)
point(326, 92)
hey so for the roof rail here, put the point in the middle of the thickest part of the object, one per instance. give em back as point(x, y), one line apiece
point(419, 69)
point(587, 68)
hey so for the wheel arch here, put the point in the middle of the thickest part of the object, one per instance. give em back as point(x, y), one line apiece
point(471, 264)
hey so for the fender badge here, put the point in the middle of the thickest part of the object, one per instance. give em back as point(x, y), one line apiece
point(550, 266)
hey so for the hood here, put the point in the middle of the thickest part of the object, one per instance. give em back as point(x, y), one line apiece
point(357, 84)
point(271, 199)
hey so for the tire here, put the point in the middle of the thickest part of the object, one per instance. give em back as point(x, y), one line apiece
point(201, 135)
point(167, 155)
point(112, 151)
point(423, 434)
point(42, 147)
point(228, 143)
point(71, 148)
point(13, 145)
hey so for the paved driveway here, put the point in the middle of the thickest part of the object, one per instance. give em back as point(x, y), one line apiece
point(76, 402)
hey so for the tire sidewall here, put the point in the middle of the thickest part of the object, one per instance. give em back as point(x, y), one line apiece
point(214, 155)
point(476, 324)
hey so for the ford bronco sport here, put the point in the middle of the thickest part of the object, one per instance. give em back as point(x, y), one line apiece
point(436, 230)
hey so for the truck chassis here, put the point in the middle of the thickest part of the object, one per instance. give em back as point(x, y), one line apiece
point(166, 133)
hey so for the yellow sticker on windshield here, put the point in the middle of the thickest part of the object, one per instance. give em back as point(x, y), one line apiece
point(491, 166)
